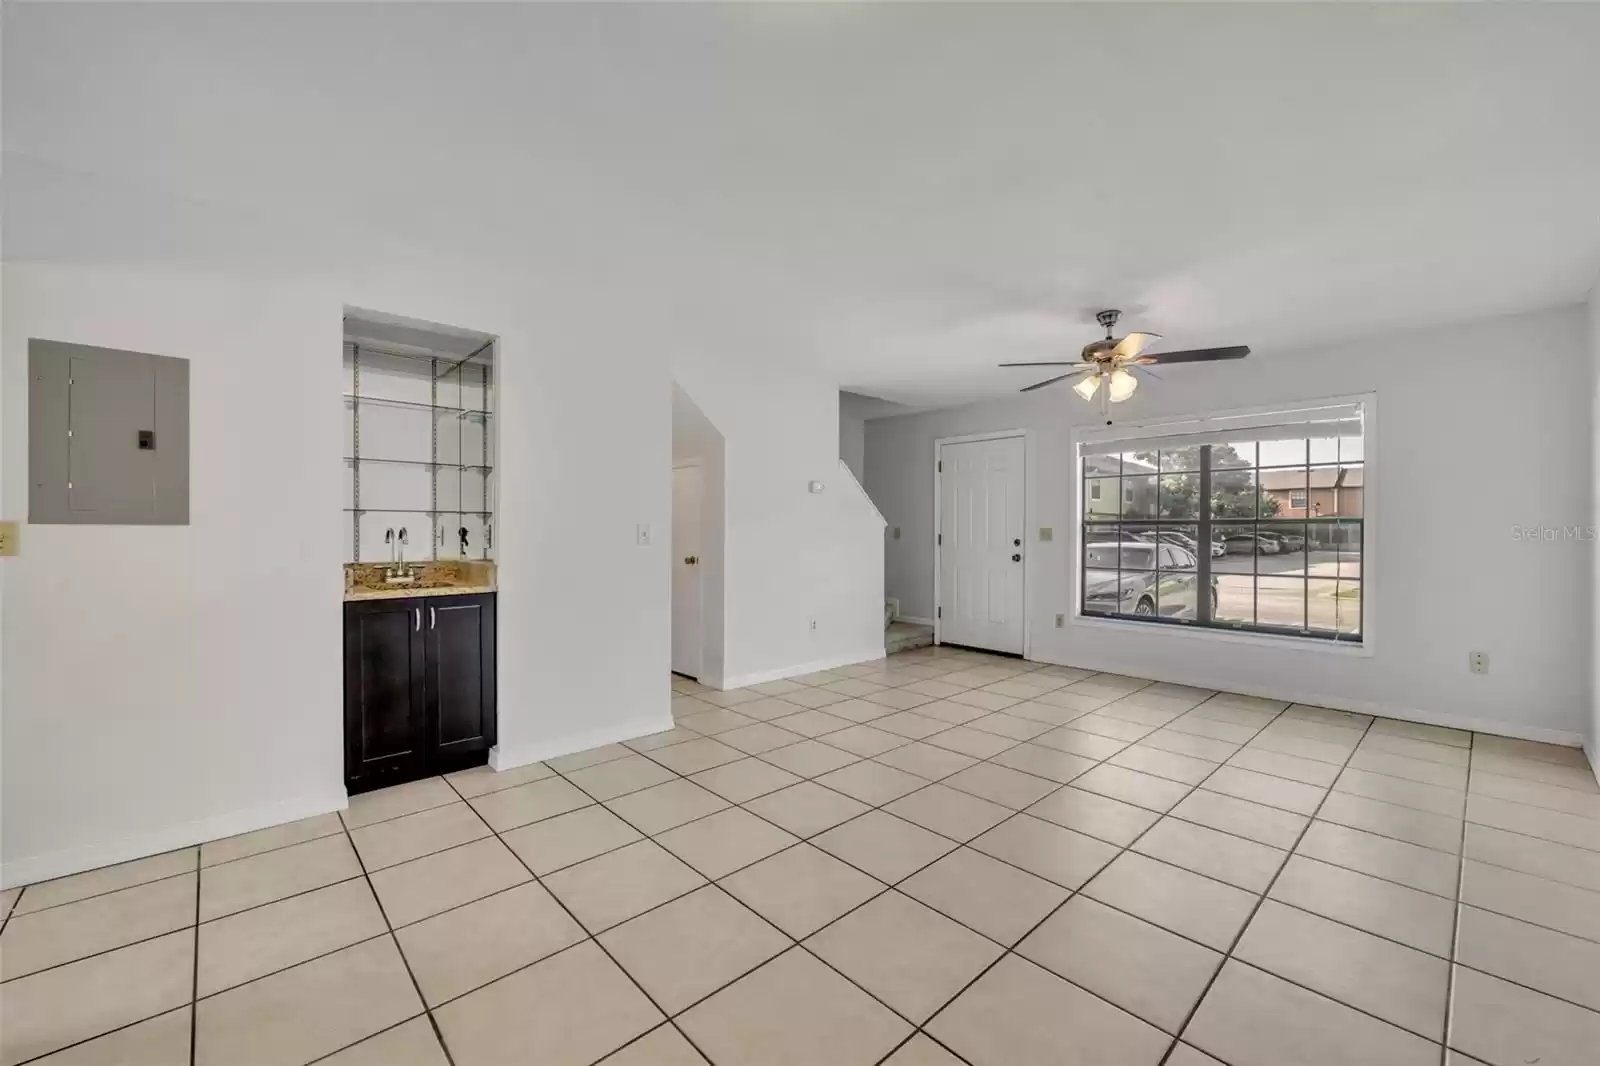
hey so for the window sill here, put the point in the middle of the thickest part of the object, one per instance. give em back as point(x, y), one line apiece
point(1268, 640)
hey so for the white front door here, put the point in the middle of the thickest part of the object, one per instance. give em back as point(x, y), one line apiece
point(687, 637)
point(980, 544)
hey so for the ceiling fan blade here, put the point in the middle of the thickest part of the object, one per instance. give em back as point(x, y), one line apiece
point(1146, 371)
point(1135, 343)
point(1047, 381)
point(1065, 362)
point(1197, 355)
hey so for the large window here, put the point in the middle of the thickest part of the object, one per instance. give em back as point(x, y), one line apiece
point(1254, 523)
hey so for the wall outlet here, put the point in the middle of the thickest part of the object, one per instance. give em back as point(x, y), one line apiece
point(642, 535)
point(813, 625)
point(1478, 662)
point(1061, 621)
point(896, 533)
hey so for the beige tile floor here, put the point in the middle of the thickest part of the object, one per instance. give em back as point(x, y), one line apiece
point(939, 858)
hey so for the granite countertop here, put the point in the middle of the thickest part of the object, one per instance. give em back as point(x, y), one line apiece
point(404, 592)
point(364, 581)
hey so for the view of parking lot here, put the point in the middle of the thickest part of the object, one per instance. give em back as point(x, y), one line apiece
point(1281, 522)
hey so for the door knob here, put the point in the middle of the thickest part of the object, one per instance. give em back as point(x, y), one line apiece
point(1017, 542)
point(691, 560)
point(1016, 558)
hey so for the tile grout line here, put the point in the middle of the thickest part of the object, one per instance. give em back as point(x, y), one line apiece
point(1455, 926)
point(1074, 893)
point(1057, 786)
point(23, 891)
point(959, 845)
point(819, 739)
point(795, 942)
point(194, 985)
point(1251, 917)
point(389, 925)
point(1288, 853)
point(589, 937)
point(664, 903)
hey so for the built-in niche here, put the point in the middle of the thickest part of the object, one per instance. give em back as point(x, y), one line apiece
point(419, 447)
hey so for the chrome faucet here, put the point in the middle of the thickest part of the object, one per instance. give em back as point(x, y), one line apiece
point(397, 571)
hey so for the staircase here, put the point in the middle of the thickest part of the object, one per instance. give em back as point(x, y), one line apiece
point(903, 636)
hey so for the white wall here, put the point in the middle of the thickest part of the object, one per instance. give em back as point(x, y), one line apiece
point(853, 434)
point(166, 685)
point(1593, 744)
point(790, 556)
point(1464, 452)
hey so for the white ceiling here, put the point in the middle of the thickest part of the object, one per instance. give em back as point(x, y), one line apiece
point(899, 195)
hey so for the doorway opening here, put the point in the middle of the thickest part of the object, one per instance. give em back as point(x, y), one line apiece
point(697, 539)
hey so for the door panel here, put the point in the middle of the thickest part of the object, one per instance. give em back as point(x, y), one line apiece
point(384, 702)
point(982, 544)
point(459, 632)
point(687, 630)
point(111, 401)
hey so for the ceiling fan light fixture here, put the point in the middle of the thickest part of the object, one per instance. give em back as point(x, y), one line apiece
point(1122, 385)
point(1114, 357)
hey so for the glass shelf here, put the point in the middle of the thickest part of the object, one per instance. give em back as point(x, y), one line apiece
point(418, 462)
point(454, 485)
point(414, 510)
point(459, 412)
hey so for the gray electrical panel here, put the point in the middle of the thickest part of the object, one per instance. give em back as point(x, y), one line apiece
point(108, 436)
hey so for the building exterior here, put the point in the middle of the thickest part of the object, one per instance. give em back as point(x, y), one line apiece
point(1328, 492)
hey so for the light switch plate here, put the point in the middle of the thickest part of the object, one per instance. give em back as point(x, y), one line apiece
point(642, 535)
point(9, 544)
point(896, 533)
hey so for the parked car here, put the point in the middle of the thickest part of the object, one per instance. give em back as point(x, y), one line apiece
point(1253, 545)
point(1154, 579)
point(1169, 536)
point(1286, 541)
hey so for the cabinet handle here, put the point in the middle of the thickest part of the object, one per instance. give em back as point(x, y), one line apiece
point(431, 618)
point(419, 619)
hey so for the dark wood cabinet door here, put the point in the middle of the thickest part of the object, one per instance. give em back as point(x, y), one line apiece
point(459, 633)
point(384, 701)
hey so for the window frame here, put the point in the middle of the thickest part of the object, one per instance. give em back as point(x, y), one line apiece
point(1364, 646)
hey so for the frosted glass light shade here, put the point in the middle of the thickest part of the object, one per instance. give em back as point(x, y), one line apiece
point(1121, 385)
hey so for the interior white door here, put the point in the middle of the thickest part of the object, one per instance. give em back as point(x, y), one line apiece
point(981, 544)
point(687, 635)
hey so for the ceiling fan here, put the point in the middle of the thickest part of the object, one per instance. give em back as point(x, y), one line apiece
point(1114, 360)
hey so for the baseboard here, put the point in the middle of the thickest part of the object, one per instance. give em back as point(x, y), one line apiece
point(1564, 737)
point(746, 680)
point(36, 868)
point(502, 758)
point(913, 621)
point(1591, 749)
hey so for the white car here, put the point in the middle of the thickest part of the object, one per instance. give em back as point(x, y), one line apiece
point(1140, 588)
